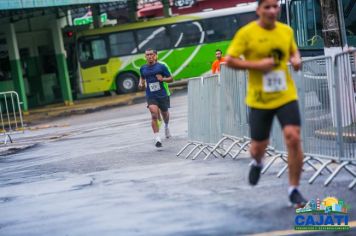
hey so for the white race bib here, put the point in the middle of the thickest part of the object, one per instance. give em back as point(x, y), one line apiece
point(274, 81)
point(154, 86)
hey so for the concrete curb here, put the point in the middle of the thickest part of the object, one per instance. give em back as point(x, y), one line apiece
point(55, 113)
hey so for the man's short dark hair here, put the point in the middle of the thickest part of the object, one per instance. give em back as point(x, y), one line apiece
point(153, 50)
point(259, 2)
point(218, 50)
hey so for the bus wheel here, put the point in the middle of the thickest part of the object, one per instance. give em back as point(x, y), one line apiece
point(126, 83)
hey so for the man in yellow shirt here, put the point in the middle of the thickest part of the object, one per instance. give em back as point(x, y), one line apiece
point(266, 46)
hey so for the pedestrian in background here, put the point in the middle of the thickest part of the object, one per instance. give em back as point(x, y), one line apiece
point(215, 68)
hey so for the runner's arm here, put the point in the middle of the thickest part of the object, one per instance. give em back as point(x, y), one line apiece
point(263, 65)
point(166, 75)
point(166, 79)
point(296, 60)
point(141, 84)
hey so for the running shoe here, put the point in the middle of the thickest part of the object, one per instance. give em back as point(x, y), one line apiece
point(254, 175)
point(167, 133)
point(158, 142)
point(296, 199)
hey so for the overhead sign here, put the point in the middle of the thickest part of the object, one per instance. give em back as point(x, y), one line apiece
point(88, 19)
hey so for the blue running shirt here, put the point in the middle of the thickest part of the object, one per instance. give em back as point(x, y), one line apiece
point(154, 88)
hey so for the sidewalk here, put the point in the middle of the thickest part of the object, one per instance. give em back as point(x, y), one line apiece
point(38, 115)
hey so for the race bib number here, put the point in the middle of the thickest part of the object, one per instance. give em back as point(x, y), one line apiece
point(154, 86)
point(274, 81)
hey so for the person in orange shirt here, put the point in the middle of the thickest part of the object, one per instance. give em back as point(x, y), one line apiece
point(215, 68)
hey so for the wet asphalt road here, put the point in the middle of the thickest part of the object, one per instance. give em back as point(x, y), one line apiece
point(100, 174)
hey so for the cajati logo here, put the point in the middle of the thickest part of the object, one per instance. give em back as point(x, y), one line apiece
point(327, 214)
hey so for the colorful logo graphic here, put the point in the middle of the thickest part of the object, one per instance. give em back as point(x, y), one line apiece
point(328, 214)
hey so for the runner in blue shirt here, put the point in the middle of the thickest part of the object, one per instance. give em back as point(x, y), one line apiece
point(153, 74)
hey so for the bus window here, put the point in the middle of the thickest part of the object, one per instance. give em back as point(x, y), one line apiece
point(122, 43)
point(245, 18)
point(214, 32)
point(155, 38)
point(186, 34)
point(92, 50)
point(99, 49)
point(85, 51)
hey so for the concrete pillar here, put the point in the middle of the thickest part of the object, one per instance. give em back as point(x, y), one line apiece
point(61, 62)
point(16, 69)
point(34, 72)
point(334, 40)
point(132, 8)
point(166, 8)
point(95, 9)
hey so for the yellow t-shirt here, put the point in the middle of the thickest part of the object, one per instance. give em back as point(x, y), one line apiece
point(270, 90)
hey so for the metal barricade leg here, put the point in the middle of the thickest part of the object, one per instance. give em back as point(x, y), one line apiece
point(210, 153)
point(185, 147)
point(242, 148)
point(270, 151)
point(352, 184)
point(305, 160)
point(269, 164)
point(280, 173)
point(308, 160)
point(193, 149)
point(320, 161)
point(216, 146)
point(333, 175)
point(350, 171)
point(200, 151)
point(228, 150)
point(318, 172)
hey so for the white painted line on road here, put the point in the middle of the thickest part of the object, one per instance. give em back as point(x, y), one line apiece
point(352, 224)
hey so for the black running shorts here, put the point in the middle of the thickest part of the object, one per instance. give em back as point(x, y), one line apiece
point(163, 103)
point(261, 119)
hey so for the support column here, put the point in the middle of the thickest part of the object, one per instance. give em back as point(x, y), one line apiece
point(95, 9)
point(16, 69)
point(34, 74)
point(61, 63)
point(166, 8)
point(334, 40)
point(132, 8)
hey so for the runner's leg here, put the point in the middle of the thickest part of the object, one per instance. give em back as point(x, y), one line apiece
point(154, 110)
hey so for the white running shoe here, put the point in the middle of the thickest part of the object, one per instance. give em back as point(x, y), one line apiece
point(158, 142)
point(167, 133)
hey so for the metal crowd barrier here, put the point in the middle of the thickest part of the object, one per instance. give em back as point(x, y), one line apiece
point(234, 113)
point(203, 116)
point(327, 99)
point(313, 91)
point(338, 133)
point(11, 121)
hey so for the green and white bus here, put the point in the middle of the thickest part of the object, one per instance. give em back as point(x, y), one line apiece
point(109, 58)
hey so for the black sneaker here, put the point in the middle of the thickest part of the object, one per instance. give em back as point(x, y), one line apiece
point(296, 199)
point(158, 144)
point(254, 174)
